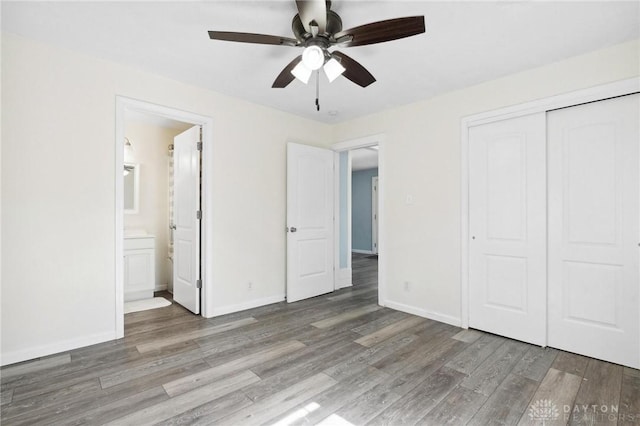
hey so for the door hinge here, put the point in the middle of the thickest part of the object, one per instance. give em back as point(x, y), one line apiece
point(199, 146)
point(199, 214)
point(198, 283)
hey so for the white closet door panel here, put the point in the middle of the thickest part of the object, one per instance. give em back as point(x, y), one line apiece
point(594, 229)
point(507, 211)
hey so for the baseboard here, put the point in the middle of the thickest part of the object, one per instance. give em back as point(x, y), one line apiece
point(361, 251)
point(161, 287)
point(436, 316)
point(229, 309)
point(343, 278)
point(54, 348)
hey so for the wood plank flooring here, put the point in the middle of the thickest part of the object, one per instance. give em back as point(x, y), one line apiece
point(338, 359)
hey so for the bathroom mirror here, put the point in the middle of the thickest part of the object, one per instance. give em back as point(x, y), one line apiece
point(131, 187)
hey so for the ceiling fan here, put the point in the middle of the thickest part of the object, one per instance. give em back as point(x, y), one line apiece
point(317, 28)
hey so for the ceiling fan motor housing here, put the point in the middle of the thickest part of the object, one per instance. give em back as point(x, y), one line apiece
point(334, 25)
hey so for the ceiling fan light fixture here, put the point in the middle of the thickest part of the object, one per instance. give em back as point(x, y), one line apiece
point(313, 57)
point(333, 69)
point(301, 72)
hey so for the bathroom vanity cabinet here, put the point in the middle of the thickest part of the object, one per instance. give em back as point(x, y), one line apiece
point(139, 267)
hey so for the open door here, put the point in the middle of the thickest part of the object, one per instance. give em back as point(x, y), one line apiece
point(187, 214)
point(310, 234)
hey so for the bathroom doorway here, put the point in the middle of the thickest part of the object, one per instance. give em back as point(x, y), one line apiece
point(148, 153)
point(161, 160)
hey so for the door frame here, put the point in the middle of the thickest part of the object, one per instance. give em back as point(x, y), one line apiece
point(342, 276)
point(349, 145)
point(375, 182)
point(592, 94)
point(124, 104)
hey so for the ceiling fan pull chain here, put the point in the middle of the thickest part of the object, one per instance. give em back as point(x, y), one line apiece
point(318, 90)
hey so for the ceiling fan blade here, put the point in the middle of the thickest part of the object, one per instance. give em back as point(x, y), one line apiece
point(381, 31)
point(313, 10)
point(354, 71)
point(285, 77)
point(252, 38)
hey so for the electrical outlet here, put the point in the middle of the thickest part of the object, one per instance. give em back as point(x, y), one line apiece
point(406, 286)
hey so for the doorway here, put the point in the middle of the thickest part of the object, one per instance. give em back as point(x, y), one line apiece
point(135, 117)
point(149, 210)
point(364, 212)
point(319, 210)
point(359, 213)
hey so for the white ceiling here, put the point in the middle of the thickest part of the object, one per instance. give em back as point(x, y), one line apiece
point(363, 159)
point(465, 43)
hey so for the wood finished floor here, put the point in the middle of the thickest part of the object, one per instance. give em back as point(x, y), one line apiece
point(337, 359)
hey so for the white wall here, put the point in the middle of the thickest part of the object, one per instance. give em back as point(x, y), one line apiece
point(422, 159)
point(151, 151)
point(58, 207)
point(58, 215)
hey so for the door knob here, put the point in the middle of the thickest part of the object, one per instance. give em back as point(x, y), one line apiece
point(293, 229)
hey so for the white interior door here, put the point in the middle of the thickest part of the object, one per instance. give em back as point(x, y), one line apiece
point(310, 244)
point(186, 213)
point(507, 213)
point(594, 231)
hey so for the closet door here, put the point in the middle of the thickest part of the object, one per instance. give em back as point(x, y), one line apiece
point(507, 214)
point(594, 229)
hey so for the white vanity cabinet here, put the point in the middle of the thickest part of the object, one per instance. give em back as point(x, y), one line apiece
point(139, 267)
